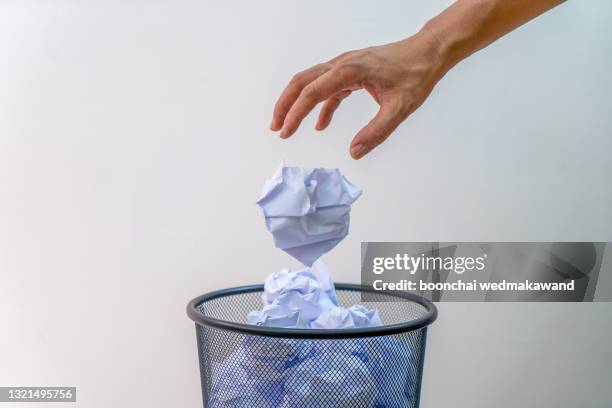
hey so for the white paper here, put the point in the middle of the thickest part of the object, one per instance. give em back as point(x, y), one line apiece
point(307, 210)
point(385, 355)
point(329, 380)
point(234, 385)
point(342, 318)
point(295, 299)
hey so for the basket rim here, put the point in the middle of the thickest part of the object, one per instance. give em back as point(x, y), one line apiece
point(384, 330)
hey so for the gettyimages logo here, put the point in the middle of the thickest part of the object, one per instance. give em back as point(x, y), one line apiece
point(414, 264)
point(488, 271)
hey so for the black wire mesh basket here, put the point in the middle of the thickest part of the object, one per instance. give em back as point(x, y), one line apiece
point(250, 366)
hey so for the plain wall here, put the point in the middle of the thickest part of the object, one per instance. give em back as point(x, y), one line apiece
point(134, 143)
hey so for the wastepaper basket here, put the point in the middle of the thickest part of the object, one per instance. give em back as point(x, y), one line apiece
point(262, 367)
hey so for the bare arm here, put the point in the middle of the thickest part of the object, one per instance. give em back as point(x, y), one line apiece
point(470, 25)
point(400, 75)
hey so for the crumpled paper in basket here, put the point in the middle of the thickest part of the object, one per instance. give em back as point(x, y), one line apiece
point(274, 372)
point(307, 299)
point(339, 317)
point(393, 365)
point(254, 374)
point(235, 385)
point(279, 371)
point(307, 210)
point(329, 380)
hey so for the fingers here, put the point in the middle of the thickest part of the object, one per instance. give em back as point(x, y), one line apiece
point(291, 93)
point(329, 107)
point(378, 130)
point(317, 91)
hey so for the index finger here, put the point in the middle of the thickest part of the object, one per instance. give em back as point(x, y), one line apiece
point(292, 91)
point(317, 91)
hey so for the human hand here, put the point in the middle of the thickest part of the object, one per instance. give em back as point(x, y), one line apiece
point(399, 76)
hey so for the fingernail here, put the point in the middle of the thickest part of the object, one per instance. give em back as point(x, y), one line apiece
point(286, 132)
point(358, 150)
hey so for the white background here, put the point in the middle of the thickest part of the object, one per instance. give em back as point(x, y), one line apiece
point(134, 143)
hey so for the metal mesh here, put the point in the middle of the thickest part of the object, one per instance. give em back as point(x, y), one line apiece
point(246, 370)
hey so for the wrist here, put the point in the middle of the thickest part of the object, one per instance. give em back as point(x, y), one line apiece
point(445, 48)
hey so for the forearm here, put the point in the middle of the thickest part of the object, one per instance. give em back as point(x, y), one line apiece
point(470, 25)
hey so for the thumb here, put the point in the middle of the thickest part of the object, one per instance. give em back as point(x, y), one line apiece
point(387, 119)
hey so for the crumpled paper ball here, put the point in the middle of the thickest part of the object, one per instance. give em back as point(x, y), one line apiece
point(307, 299)
point(235, 385)
point(378, 372)
point(307, 210)
point(277, 315)
point(329, 380)
point(295, 299)
point(356, 316)
point(304, 281)
point(253, 375)
point(267, 358)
